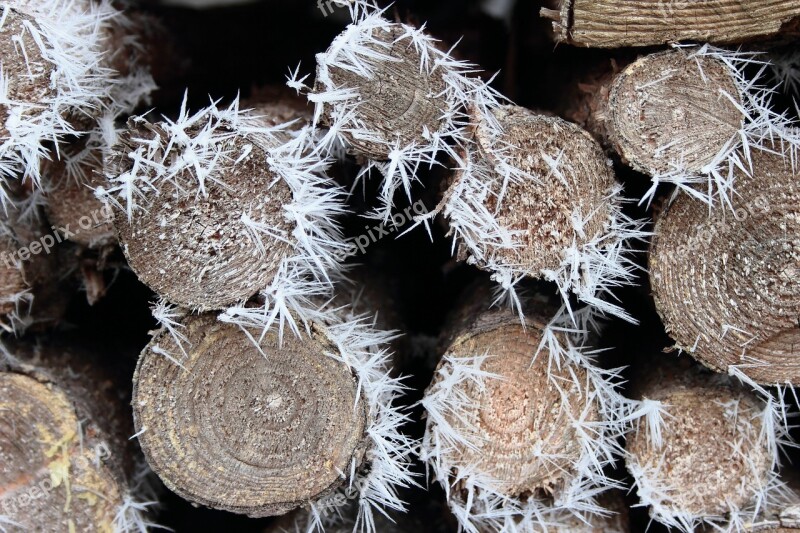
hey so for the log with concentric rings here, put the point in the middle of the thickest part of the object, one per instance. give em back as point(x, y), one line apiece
point(252, 430)
point(726, 283)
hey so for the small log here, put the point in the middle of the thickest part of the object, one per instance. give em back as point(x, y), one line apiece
point(663, 111)
point(513, 433)
point(566, 199)
point(194, 249)
point(517, 411)
point(63, 442)
point(620, 23)
point(258, 431)
point(399, 102)
point(710, 456)
point(726, 283)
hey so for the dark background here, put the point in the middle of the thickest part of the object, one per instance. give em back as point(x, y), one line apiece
point(233, 50)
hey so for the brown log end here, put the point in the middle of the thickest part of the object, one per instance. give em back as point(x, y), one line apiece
point(247, 431)
point(726, 284)
point(712, 457)
point(51, 478)
point(397, 104)
point(518, 421)
point(194, 249)
point(544, 212)
point(667, 110)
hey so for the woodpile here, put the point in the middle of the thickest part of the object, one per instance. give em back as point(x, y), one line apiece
point(372, 293)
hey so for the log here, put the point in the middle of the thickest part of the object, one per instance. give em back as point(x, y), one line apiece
point(63, 71)
point(399, 102)
point(503, 422)
point(710, 456)
point(726, 283)
point(665, 111)
point(257, 431)
point(186, 236)
point(620, 23)
point(552, 216)
point(67, 464)
point(32, 265)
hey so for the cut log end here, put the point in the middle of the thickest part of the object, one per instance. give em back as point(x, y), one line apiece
point(51, 480)
point(257, 433)
point(397, 104)
point(194, 249)
point(525, 441)
point(668, 111)
point(576, 181)
point(726, 284)
point(711, 442)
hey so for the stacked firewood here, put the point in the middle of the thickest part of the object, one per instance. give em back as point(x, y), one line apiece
point(284, 379)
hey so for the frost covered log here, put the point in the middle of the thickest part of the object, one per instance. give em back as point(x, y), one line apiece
point(688, 117)
point(62, 72)
point(388, 94)
point(535, 196)
point(619, 23)
point(222, 204)
point(399, 104)
point(667, 109)
point(726, 283)
point(262, 426)
point(248, 431)
point(519, 421)
point(67, 465)
point(708, 449)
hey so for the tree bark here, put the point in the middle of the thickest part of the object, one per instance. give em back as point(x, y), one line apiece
point(252, 431)
point(726, 284)
point(620, 23)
